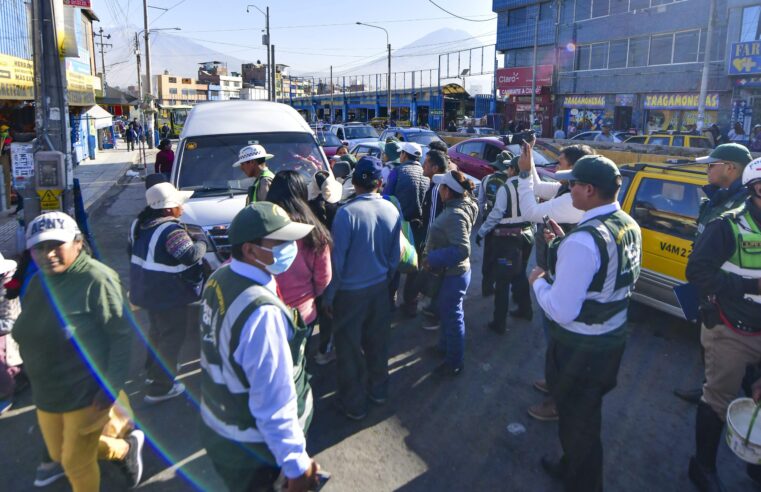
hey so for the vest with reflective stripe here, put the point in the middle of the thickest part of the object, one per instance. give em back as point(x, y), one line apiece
point(157, 279)
point(493, 184)
point(746, 261)
point(709, 212)
point(618, 239)
point(253, 190)
point(229, 300)
point(513, 209)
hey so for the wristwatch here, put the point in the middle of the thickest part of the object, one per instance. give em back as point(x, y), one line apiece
point(524, 174)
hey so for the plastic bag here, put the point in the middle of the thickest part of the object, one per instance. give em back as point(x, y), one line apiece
point(408, 261)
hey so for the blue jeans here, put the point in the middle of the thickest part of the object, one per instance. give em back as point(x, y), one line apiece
point(452, 316)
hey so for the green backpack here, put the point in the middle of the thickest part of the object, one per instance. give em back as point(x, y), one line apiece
point(495, 182)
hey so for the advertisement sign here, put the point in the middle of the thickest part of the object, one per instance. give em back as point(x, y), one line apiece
point(584, 102)
point(517, 81)
point(745, 58)
point(86, 4)
point(679, 101)
point(625, 100)
point(16, 78)
point(22, 164)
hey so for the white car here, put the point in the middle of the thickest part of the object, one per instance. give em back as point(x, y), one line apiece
point(213, 134)
point(353, 133)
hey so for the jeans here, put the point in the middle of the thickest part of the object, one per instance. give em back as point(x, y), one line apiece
point(165, 335)
point(578, 380)
point(452, 317)
point(361, 326)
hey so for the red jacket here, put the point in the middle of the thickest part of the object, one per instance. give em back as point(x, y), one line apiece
point(164, 161)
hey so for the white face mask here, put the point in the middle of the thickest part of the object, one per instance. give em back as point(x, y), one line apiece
point(283, 254)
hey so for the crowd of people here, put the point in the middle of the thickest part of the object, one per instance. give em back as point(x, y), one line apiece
point(339, 254)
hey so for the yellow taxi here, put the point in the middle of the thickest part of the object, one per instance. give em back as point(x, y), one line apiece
point(664, 199)
point(672, 140)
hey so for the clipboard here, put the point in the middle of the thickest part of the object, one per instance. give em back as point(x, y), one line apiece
point(689, 300)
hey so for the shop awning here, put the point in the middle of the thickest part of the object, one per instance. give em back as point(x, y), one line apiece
point(103, 119)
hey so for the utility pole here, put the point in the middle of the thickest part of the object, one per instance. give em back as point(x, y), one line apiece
point(533, 69)
point(51, 111)
point(140, 94)
point(331, 93)
point(102, 58)
point(271, 93)
point(148, 83)
point(273, 73)
point(388, 80)
point(700, 121)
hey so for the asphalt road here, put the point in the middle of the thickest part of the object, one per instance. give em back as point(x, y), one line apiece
point(431, 435)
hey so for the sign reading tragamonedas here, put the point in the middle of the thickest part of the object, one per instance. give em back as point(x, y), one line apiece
point(679, 101)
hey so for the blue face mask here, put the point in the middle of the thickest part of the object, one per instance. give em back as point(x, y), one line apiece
point(284, 254)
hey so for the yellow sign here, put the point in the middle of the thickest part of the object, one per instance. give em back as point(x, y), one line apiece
point(50, 199)
point(17, 82)
point(584, 101)
point(679, 101)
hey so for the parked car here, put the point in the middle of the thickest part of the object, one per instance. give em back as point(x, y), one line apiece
point(354, 132)
point(672, 140)
point(367, 148)
point(422, 136)
point(479, 130)
point(209, 144)
point(328, 142)
point(473, 156)
point(590, 136)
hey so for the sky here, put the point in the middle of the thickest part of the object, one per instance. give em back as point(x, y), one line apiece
point(308, 34)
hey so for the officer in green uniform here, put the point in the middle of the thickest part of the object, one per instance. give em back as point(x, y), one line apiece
point(724, 192)
point(490, 185)
point(585, 294)
point(256, 400)
point(252, 160)
point(725, 266)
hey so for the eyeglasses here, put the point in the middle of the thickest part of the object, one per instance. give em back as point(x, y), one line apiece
point(712, 164)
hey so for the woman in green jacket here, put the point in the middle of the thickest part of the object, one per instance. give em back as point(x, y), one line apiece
point(75, 337)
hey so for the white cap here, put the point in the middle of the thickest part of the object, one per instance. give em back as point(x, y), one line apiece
point(448, 180)
point(165, 195)
point(251, 152)
point(412, 148)
point(6, 265)
point(51, 226)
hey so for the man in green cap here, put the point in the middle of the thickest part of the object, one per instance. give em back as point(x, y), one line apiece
point(724, 192)
point(585, 293)
point(509, 238)
point(256, 400)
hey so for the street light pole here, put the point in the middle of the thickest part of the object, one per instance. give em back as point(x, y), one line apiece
point(148, 84)
point(388, 75)
point(533, 70)
point(268, 75)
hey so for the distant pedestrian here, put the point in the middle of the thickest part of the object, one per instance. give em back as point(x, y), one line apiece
point(130, 136)
point(737, 134)
point(755, 143)
point(164, 159)
point(252, 160)
point(559, 134)
point(605, 135)
point(165, 132)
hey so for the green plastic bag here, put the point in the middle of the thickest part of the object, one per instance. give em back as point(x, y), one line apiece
point(408, 262)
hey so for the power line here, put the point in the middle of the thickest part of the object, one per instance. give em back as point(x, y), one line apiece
point(461, 17)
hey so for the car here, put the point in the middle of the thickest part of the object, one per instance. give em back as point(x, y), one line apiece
point(473, 156)
point(422, 136)
point(329, 143)
point(362, 149)
point(590, 136)
point(213, 135)
point(672, 140)
point(479, 130)
point(354, 132)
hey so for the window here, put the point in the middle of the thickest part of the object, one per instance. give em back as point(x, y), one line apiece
point(678, 141)
point(666, 141)
point(619, 6)
point(700, 142)
point(545, 11)
point(636, 140)
point(669, 207)
point(173, 91)
point(582, 57)
point(184, 92)
point(583, 9)
point(751, 24)
point(172, 80)
point(491, 152)
point(599, 56)
point(686, 46)
point(638, 48)
point(638, 4)
point(660, 49)
point(472, 149)
point(600, 8)
point(617, 53)
point(517, 17)
point(626, 180)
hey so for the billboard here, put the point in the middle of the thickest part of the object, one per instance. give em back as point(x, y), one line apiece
point(517, 81)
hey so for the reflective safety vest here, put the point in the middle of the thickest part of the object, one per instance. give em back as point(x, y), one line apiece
point(746, 261)
point(253, 190)
point(229, 300)
point(493, 184)
point(619, 242)
point(708, 212)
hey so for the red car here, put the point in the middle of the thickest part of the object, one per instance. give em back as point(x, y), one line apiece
point(473, 156)
point(329, 143)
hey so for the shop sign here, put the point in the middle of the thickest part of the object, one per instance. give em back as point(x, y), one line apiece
point(17, 82)
point(22, 164)
point(748, 81)
point(624, 99)
point(86, 4)
point(518, 81)
point(679, 101)
point(526, 108)
point(745, 58)
point(584, 102)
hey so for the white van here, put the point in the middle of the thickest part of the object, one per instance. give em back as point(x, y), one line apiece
point(213, 134)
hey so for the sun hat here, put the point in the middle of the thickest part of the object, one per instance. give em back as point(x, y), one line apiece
point(51, 226)
point(165, 195)
point(265, 220)
point(251, 152)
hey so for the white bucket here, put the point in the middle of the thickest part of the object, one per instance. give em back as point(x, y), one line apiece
point(739, 415)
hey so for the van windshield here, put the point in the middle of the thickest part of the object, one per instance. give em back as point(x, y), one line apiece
point(206, 162)
point(360, 132)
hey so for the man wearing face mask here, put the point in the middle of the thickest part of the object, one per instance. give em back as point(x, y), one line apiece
point(256, 399)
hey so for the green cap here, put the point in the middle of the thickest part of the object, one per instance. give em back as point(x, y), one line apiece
point(392, 150)
point(511, 164)
point(731, 152)
point(265, 220)
point(596, 170)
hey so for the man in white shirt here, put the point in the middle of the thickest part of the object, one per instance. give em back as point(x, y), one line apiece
point(605, 136)
point(585, 292)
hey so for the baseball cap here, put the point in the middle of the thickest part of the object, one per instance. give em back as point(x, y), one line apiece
point(596, 170)
point(512, 163)
point(448, 180)
point(165, 195)
point(265, 220)
point(51, 226)
point(412, 148)
point(368, 168)
point(251, 152)
point(729, 152)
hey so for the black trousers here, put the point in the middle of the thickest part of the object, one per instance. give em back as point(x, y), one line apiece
point(510, 260)
point(165, 335)
point(578, 379)
point(361, 326)
point(259, 479)
point(487, 266)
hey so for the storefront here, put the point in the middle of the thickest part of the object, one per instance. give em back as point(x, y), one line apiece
point(745, 71)
point(514, 88)
point(677, 112)
point(583, 113)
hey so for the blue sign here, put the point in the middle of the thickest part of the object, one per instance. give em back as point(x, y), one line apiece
point(745, 58)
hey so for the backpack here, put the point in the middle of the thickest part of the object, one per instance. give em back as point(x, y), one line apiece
point(493, 184)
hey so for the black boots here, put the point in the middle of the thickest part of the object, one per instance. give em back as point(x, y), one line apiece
point(702, 471)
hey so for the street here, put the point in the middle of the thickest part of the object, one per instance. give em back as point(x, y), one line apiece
point(448, 435)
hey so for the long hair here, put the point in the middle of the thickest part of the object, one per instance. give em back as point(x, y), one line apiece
point(289, 190)
point(147, 214)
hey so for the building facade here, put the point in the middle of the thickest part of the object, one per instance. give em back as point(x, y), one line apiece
point(174, 90)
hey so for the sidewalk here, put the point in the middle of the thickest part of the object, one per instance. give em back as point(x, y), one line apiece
point(96, 177)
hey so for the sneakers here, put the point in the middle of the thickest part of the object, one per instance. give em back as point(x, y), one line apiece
point(5, 405)
point(47, 473)
point(377, 399)
point(175, 390)
point(541, 385)
point(349, 414)
point(546, 411)
point(323, 359)
point(431, 324)
point(133, 462)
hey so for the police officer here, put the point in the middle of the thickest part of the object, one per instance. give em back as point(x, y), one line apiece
point(512, 238)
point(252, 160)
point(725, 266)
point(490, 185)
point(724, 192)
point(256, 400)
point(585, 293)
